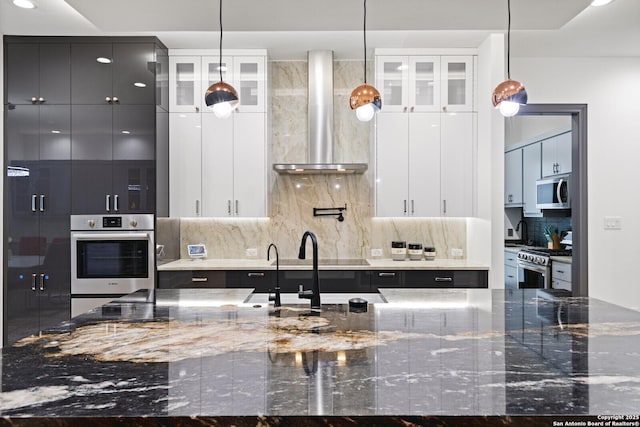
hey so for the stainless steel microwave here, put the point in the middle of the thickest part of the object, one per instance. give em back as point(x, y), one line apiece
point(553, 192)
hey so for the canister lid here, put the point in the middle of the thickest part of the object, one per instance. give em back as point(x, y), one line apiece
point(398, 244)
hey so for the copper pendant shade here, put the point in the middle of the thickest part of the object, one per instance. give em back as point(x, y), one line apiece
point(363, 95)
point(511, 91)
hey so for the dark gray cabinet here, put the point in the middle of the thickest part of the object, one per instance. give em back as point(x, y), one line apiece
point(37, 204)
point(37, 73)
point(429, 279)
point(118, 126)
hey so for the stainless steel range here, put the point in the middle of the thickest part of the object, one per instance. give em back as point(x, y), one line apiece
point(534, 266)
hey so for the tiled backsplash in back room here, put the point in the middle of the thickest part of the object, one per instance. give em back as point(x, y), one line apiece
point(294, 197)
point(536, 226)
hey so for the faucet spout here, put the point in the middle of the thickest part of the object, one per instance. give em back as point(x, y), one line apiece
point(276, 297)
point(314, 293)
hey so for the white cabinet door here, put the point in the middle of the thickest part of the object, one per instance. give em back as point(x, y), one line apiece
point(457, 147)
point(424, 164)
point(556, 155)
point(184, 164)
point(513, 177)
point(185, 92)
point(249, 160)
point(392, 154)
point(424, 83)
point(457, 83)
point(217, 166)
point(249, 80)
point(392, 80)
point(531, 157)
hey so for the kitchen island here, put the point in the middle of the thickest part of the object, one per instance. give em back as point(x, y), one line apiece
point(426, 352)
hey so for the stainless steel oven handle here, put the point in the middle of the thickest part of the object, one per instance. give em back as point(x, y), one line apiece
point(115, 203)
point(33, 202)
point(41, 282)
point(110, 236)
point(107, 202)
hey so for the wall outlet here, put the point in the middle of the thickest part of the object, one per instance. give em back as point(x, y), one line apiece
point(509, 232)
point(252, 252)
point(376, 252)
point(613, 223)
point(457, 253)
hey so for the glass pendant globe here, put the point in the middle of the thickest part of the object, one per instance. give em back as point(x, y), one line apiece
point(222, 110)
point(509, 108)
point(365, 112)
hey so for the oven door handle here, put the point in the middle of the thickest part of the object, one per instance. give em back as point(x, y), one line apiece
point(112, 236)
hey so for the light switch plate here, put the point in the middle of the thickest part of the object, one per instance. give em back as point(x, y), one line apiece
point(613, 223)
point(252, 252)
point(457, 253)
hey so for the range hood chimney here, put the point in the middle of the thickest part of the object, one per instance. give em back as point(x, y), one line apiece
point(320, 123)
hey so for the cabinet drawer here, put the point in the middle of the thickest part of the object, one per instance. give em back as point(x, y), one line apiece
point(191, 279)
point(261, 280)
point(385, 279)
point(510, 258)
point(561, 284)
point(510, 277)
point(561, 271)
point(330, 280)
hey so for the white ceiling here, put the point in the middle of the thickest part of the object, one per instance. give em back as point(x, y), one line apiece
point(288, 28)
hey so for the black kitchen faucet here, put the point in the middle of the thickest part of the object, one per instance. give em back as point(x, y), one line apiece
point(314, 293)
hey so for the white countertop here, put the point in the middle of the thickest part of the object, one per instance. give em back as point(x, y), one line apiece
point(374, 264)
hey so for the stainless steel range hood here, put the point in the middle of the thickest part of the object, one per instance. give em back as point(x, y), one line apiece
point(320, 123)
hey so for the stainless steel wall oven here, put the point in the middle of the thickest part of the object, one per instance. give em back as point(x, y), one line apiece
point(111, 256)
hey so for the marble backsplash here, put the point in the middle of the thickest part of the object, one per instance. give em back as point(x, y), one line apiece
point(292, 198)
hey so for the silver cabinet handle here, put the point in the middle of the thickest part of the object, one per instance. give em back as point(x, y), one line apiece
point(444, 279)
point(444, 206)
point(115, 99)
point(510, 276)
point(199, 279)
point(412, 206)
point(404, 110)
point(560, 271)
point(41, 282)
point(41, 99)
point(387, 274)
point(33, 202)
point(33, 281)
point(115, 203)
point(42, 203)
point(197, 109)
point(229, 207)
point(34, 99)
point(107, 202)
point(236, 207)
point(197, 207)
point(405, 206)
point(255, 274)
point(412, 109)
point(108, 99)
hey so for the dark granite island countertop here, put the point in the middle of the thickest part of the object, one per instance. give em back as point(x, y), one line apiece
point(452, 352)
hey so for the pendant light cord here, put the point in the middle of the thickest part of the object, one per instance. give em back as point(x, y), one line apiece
point(364, 35)
point(508, 39)
point(220, 50)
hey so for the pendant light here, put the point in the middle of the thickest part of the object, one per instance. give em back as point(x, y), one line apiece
point(221, 97)
point(365, 99)
point(509, 94)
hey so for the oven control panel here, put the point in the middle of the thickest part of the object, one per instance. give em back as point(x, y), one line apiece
point(112, 222)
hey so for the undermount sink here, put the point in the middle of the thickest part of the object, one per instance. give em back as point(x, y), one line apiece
point(328, 298)
point(296, 261)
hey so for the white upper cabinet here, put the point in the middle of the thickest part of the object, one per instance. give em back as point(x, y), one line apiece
point(425, 83)
point(185, 92)
point(513, 178)
point(530, 174)
point(556, 154)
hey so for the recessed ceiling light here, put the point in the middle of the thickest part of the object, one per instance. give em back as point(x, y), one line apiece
point(103, 60)
point(25, 4)
point(139, 84)
point(600, 2)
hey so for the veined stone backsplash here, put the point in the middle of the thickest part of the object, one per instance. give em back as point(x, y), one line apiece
point(292, 198)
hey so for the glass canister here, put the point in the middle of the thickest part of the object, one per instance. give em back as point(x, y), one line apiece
point(429, 253)
point(398, 251)
point(415, 251)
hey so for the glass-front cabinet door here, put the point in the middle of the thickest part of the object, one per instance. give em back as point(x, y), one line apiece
point(424, 83)
point(185, 93)
point(249, 79)
point(392, 77)
point(210, 74)
point(457, 83)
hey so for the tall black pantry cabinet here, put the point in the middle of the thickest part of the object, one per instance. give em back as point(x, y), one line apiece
point(37, 179)
point(62, 146)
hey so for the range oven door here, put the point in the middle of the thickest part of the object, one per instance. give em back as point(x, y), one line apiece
point(533, 275)
point(108, 262)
